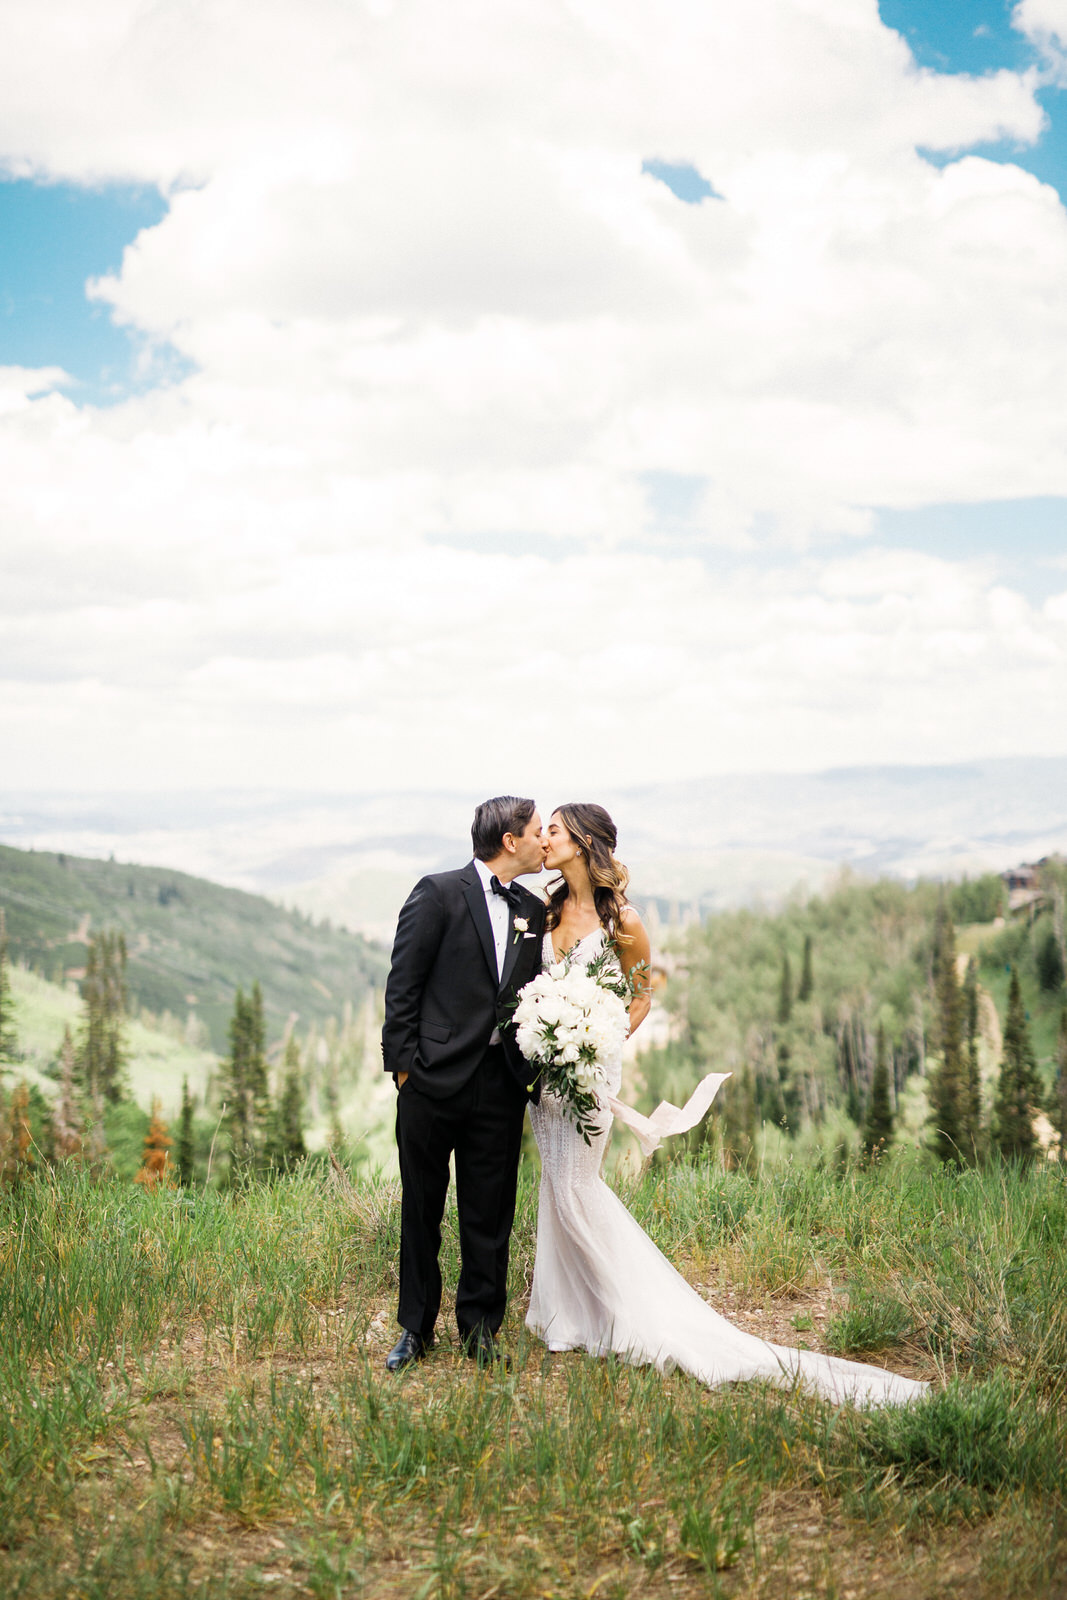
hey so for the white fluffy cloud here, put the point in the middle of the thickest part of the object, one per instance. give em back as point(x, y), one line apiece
point(447, 337)
point(1045, 23)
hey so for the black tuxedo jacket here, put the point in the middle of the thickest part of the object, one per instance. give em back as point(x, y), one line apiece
point(442, 997)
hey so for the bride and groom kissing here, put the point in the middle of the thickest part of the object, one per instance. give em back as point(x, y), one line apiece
point(466, 943)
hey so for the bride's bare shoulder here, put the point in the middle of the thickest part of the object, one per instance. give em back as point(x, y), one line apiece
point(636, 950)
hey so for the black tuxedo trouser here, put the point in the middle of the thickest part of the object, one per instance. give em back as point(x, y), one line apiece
point(482, 1124)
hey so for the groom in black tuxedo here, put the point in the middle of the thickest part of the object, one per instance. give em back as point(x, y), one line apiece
point(466, 942)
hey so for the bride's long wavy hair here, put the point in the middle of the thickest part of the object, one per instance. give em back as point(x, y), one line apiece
point(594, 832)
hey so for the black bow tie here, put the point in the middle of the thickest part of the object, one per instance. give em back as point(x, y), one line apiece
point(507, 891)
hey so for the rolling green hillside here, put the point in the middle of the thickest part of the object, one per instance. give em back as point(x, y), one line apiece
point(191, 943)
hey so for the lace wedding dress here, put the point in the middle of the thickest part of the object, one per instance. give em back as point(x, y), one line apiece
point(601, 1285)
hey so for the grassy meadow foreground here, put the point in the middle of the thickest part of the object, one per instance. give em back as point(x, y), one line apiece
point(194, 1404)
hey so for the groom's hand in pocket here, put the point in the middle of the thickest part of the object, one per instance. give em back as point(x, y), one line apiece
point(401, 1079)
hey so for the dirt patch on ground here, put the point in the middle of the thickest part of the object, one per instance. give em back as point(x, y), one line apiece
point(802, 1543)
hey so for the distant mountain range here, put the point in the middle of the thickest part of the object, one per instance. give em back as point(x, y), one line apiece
point(692, 847)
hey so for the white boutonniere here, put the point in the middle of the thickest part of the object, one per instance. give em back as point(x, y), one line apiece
point(521, 925)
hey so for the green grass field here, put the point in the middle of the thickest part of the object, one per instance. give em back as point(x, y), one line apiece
point(194, 1404)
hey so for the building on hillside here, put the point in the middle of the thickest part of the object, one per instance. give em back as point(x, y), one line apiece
point(1023, 884)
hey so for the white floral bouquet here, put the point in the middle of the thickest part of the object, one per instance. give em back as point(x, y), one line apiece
point(569, 1021)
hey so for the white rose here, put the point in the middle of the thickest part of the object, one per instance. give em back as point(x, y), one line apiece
point(529, 1041)
point(581, 989)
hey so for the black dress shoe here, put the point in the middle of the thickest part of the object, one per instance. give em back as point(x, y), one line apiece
point(483, 1348)
point(409, 1348)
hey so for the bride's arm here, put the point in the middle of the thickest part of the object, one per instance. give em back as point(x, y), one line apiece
point(637, 953)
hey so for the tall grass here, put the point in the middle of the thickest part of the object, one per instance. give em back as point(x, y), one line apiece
point(173, 1363)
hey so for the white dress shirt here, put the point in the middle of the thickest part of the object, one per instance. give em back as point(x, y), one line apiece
point(499, 916)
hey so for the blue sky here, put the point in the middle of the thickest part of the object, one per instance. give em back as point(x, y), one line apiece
point(56, 238)
point(958, 35)
point(753, 419)
point(977, 37)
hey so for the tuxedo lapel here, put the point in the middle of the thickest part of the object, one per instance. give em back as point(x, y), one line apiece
point(475, 898)
point(511, 949)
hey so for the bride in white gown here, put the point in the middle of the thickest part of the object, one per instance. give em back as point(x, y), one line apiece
point(600, 1284)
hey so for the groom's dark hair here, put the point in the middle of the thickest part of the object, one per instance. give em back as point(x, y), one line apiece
point(494, 818)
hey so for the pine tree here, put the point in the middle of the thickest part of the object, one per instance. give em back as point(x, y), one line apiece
point(91, 1041)
point(788, 1091)
point(807, 976)
point(331, 1097)
point(973, 1083)
point(185, 1138)
point(1018, 1088)
point(1058, 1103)
point(258, 1087)
point(67, 1122)
point(948, 1093)
point(16, 1136)
point(878, 1126)
point(768, 1093)
point(852, 1058)
point(740, 1122)
point(102, 1046)
point(248, 1095)
point(155, 1164)
point(785, 992)
point(238, 1091)
point(20, 1117)
point(8, 1037)
point(118, 997)
point(1050, 963)
point(288, 1147)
